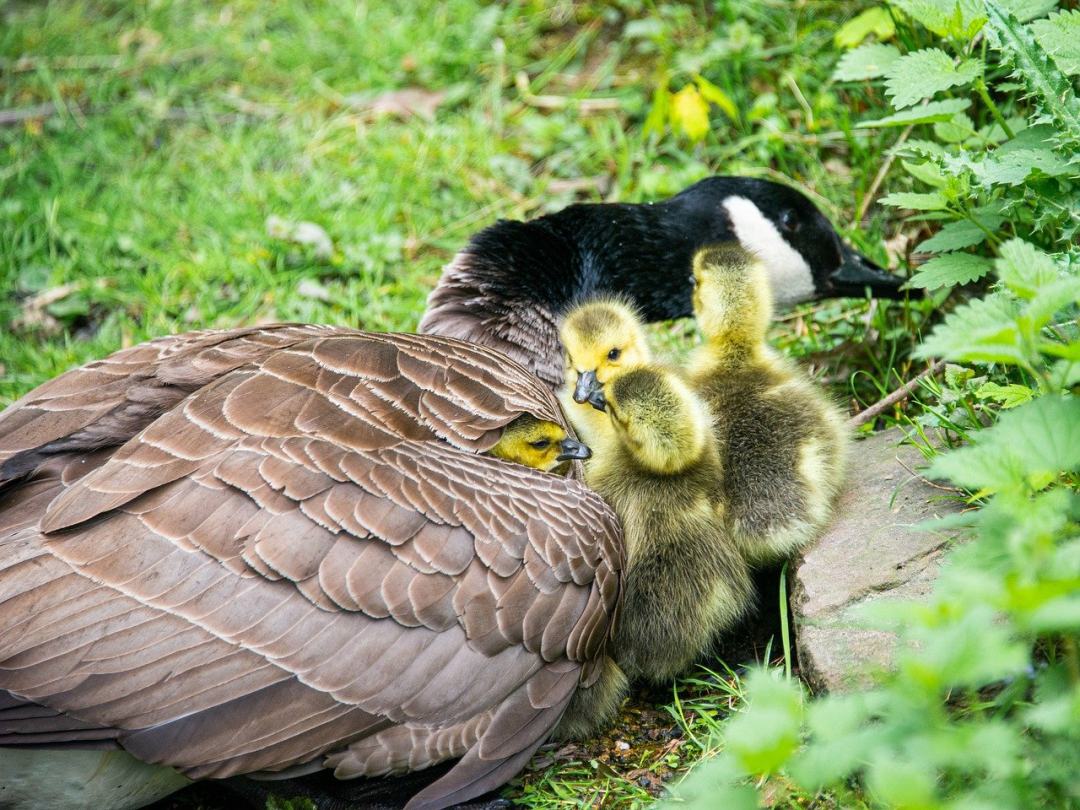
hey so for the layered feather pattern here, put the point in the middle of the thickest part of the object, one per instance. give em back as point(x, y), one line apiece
point(241, 551)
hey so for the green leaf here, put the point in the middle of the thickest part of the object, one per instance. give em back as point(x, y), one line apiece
point(1015, 160)
point(948, 270)
point(658, 112)
point(1042, 77)
point(765, 736)
point(876, 21)
point(929, 172)
point(710, 92)
point(1059, 35)
point(865, 62)
point(983, 330)
point(921, 74)
point(961, 234)
point(1008, 396)
point(924, 114)
point(1031, 444)
point(690, 113)
point(1050, 300)
point(956, 130)
point(932, 201)
point(1024, 268)
point(1025, 10)
point(946, 18)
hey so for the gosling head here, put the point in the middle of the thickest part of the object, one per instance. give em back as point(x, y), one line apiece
point(538, 443)
point(732, 296)
point(602, 338)
point(657, 418)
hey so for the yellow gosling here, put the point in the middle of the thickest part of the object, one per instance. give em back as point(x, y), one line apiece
point(782, 443)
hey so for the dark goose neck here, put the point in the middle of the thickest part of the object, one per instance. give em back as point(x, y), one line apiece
point(508, 287)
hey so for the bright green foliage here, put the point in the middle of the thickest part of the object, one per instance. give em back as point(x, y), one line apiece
point(925, 114)
point(1059, 36)
point(877, 21)
point(950, 269)
point(982, 708)
point(866, 62)
point(925, 73)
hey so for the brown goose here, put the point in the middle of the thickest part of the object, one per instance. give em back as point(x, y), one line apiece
point(282, 549)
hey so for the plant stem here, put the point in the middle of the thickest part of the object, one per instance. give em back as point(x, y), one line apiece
point(980, 88)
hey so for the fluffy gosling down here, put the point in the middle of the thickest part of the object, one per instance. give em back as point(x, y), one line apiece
point(539, 444)
point(782, 443)
point(659, 468)
point(602, 338)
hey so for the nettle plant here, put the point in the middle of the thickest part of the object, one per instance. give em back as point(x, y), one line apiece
point(982, 707)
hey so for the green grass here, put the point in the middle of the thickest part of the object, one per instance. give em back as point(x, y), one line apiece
point(139, 208)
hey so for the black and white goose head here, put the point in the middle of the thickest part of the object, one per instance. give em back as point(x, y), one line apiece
point(507, 288)
point(803, 254)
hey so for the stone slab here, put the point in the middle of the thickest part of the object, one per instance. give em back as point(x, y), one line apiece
point(870, 553)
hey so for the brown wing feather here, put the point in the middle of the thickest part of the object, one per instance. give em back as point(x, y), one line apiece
point(310, 528)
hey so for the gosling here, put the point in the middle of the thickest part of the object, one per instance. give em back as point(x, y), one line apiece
point(659, 467)
point(602, 338)
point(537, 443)
point(782, 443)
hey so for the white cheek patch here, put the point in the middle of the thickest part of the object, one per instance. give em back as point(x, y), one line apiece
point(789, 274)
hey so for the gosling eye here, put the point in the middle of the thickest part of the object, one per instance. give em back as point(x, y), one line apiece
point(614, 355)
point(540, 444)
point(693, 281)
point(789, 221)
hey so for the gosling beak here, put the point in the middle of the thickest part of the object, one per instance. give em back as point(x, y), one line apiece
point(856, 273)
point(586, 384)
point(597, 400)
point(570, 449)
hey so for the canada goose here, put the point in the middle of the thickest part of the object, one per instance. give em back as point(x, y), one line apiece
point(289, 548)
point(659, 468)
point(783, 445)
point(507, 288)
point(602, 338)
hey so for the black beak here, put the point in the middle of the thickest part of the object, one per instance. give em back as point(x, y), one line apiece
point(857, 273)
point(570, 449)
point(597, 400)
point(586, 384)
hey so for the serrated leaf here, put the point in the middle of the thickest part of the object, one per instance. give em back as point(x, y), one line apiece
point(865, 62)
point(1008, 396)
point(1043, 78)
point(929, 172)
point(690, 113)
point(948, 270)
point(931, 201)
point(1024, 268)
point(1025, 10)
point(982, 331)
point(961, 234)
point(1028, 445)
point(710, 92)
point(924, 73)
point(946, 18)
point(956, 130)
point(925, 114)
point(876, 21)
point(1029, 151)
point(1059, 35)
point(1048, 301)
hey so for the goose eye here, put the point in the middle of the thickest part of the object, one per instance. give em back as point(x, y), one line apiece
point(789, 221)
point(540, 444)
point(614, 354)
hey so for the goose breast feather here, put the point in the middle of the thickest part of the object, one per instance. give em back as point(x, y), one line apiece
point(297, 553)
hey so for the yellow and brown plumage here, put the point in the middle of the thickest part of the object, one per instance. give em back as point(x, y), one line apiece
point(252, 550)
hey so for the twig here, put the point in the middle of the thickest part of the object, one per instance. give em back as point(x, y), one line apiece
point(879, 178)
point(19, 114)
point(891, 399)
